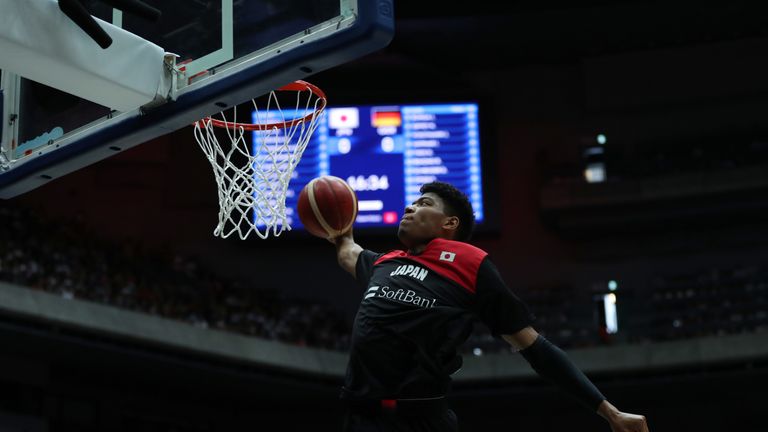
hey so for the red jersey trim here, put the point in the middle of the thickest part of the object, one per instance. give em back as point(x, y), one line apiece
point(453, 260)
point(390, 255)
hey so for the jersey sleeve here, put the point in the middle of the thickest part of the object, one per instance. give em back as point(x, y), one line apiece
point(364, 266)
point(496, 305)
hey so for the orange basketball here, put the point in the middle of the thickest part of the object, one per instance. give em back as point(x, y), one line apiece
point(327, 206)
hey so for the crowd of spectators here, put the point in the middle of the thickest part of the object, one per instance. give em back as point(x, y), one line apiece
point(65, 259)
point(710, 302)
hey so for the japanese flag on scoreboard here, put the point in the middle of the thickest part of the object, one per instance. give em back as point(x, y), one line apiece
point(343, 118)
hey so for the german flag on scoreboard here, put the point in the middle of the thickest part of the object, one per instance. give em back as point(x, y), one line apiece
point(386, 117)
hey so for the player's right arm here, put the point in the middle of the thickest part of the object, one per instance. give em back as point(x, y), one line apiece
point(347, 252)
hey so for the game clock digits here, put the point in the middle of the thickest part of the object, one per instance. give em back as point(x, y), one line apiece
point(386, 153)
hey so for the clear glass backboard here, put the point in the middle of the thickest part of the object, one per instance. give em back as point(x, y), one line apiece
point(229, 51)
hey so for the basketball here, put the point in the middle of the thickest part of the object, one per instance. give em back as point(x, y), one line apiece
point(327, 206)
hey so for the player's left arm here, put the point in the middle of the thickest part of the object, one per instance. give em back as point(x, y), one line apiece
point(507, 315)
point(551, 363)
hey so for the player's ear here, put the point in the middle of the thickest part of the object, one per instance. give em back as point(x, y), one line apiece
point(451, 223)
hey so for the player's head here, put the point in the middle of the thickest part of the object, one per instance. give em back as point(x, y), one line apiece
point(441, 211)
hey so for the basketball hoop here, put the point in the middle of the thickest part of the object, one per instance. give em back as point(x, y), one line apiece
point(253, 176)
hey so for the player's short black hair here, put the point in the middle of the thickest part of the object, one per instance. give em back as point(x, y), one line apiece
point(456, 204)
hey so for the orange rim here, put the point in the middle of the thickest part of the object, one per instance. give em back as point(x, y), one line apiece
point(294, 86)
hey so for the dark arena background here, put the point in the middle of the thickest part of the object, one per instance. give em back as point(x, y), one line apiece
point(624, 151)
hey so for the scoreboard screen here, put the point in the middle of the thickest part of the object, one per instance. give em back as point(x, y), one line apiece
point(386, 152)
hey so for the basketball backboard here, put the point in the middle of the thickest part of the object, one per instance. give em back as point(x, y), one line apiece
point(229, 51)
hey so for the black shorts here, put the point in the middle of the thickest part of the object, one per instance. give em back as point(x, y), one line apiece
point(400, 416)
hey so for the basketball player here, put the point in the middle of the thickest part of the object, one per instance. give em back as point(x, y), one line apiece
point(419, 307)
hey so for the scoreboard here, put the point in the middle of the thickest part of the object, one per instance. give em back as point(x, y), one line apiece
point(386, 152)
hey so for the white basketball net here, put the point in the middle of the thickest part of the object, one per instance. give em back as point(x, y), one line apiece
point(253, 170)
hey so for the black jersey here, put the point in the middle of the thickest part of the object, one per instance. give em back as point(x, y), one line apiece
point(416, 312)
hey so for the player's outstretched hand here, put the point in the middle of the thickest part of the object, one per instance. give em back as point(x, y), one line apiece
point(626, 422)
point(621, 421)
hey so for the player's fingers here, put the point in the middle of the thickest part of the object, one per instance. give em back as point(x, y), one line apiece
point(644, 424)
